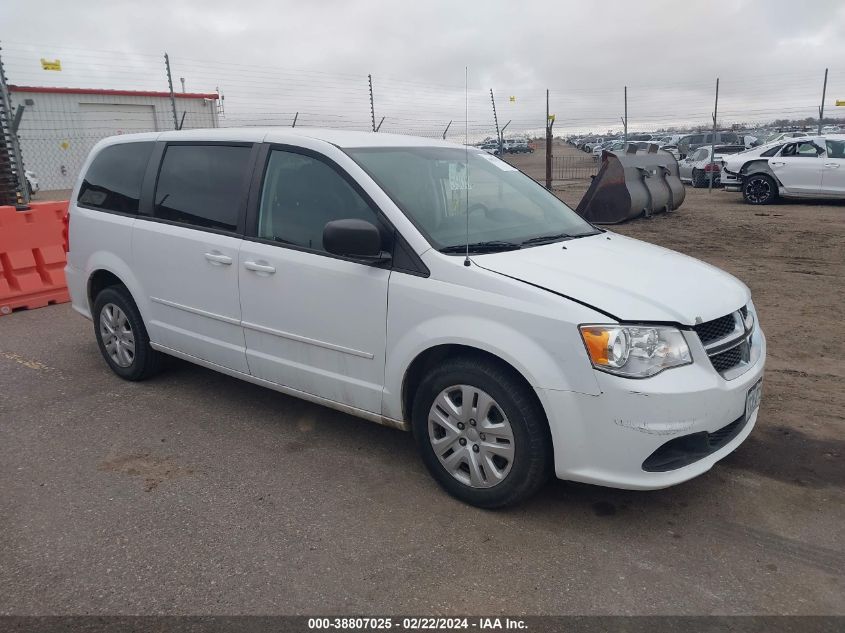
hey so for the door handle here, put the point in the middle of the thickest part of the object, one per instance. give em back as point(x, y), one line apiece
point(219, 258)
point(259, 268)
point(832, 165)
point(777, 163)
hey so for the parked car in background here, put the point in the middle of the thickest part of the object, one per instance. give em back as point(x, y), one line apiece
point(700, 166)
point(491, 147)
point(669, 139)
point(690, 142)
point(517, 146)
point(731, 180)
point(588, 147)
point(809, 167)
point(31, 182)
point(612, 362)
point(779, 136)
point(598, 149)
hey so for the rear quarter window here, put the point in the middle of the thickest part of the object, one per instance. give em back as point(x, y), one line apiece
point(113, 180)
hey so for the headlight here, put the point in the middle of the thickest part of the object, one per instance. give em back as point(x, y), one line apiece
point(635, 351)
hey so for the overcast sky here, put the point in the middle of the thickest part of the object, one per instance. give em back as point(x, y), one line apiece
point(274, 58)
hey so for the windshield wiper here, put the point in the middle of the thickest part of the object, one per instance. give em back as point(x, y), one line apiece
point(557, 237)
point(482, 247)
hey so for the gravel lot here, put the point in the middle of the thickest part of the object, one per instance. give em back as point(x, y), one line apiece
point(198, 493)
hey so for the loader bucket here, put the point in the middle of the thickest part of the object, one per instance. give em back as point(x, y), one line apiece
point(632, 184)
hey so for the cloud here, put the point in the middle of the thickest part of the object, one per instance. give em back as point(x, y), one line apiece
point(274, 58)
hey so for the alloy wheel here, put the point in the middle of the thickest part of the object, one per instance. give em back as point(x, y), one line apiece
point(758, 190)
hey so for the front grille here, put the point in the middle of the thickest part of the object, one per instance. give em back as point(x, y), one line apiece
point(726, 332)
point(683, 451)
point(727, 360)
point(715, 329)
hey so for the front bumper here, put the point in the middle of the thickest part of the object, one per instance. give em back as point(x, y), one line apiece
point(605, 439)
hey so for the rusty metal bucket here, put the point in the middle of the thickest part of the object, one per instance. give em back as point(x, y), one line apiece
point(636, 183)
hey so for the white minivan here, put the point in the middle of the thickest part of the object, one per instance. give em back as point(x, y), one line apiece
point(419, 284)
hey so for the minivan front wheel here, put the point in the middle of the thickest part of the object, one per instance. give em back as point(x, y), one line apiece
point(122, 337)
point(481, 433)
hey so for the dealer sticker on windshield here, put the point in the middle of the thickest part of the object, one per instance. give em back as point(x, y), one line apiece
point(752, 398)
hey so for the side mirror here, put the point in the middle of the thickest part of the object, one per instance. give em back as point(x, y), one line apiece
point(357, 239)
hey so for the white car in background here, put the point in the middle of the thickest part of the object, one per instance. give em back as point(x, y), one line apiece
point(808, 167)
point(32, 182)
point(701, 165)
point(730, 179)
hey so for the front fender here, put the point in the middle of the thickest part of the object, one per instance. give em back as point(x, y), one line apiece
point(531, 329)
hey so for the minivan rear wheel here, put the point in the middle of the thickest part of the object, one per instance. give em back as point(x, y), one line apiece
point(122, 337)
point(482, 433)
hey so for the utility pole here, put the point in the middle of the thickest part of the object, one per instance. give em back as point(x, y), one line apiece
point(182, 79)
point(372, 106)
point(295, 117)
point(713, 139)
point(550, 121)
point(625, 119)
point(172, 96)
point(446, 130)
point(821, 107)
point(496, 121)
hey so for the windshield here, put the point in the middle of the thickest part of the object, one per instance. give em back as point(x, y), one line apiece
point(436, 186)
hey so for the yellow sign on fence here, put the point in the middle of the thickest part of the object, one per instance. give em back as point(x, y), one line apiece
point(47, 64)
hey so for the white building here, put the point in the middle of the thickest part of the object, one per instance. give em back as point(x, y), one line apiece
point(61, 125)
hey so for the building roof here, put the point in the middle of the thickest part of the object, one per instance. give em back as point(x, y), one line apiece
point(113, 93)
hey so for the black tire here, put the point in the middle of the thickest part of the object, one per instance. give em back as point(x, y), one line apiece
point(533, 458)
point(759, 189)
point(699, 179)
point(145, 360)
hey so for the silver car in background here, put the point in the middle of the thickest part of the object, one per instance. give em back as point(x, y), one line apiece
point(700, 166)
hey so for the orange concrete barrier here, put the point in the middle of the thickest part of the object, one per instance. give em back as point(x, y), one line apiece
point(33, 246)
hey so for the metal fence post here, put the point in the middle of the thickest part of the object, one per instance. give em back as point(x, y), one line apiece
point(549, 123)
point(372, 106)
point(172, 96)
point(496, 121)
point(821, 107)
point(13, 186)
point(713, 139)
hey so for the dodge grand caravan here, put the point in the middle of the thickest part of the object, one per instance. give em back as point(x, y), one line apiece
point(422, 285)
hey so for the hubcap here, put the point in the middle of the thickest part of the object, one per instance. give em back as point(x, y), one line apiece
point(117, 335)
point(758, 190)
point(471, 436)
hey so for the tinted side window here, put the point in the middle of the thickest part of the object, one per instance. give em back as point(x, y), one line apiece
point(202, 185)
point(771, 151)
point(113, 181)
point(300, 195)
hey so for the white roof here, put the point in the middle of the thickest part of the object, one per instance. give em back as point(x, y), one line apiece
point(340, 138)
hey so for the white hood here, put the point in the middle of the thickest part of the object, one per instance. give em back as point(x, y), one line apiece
point(627, 278)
